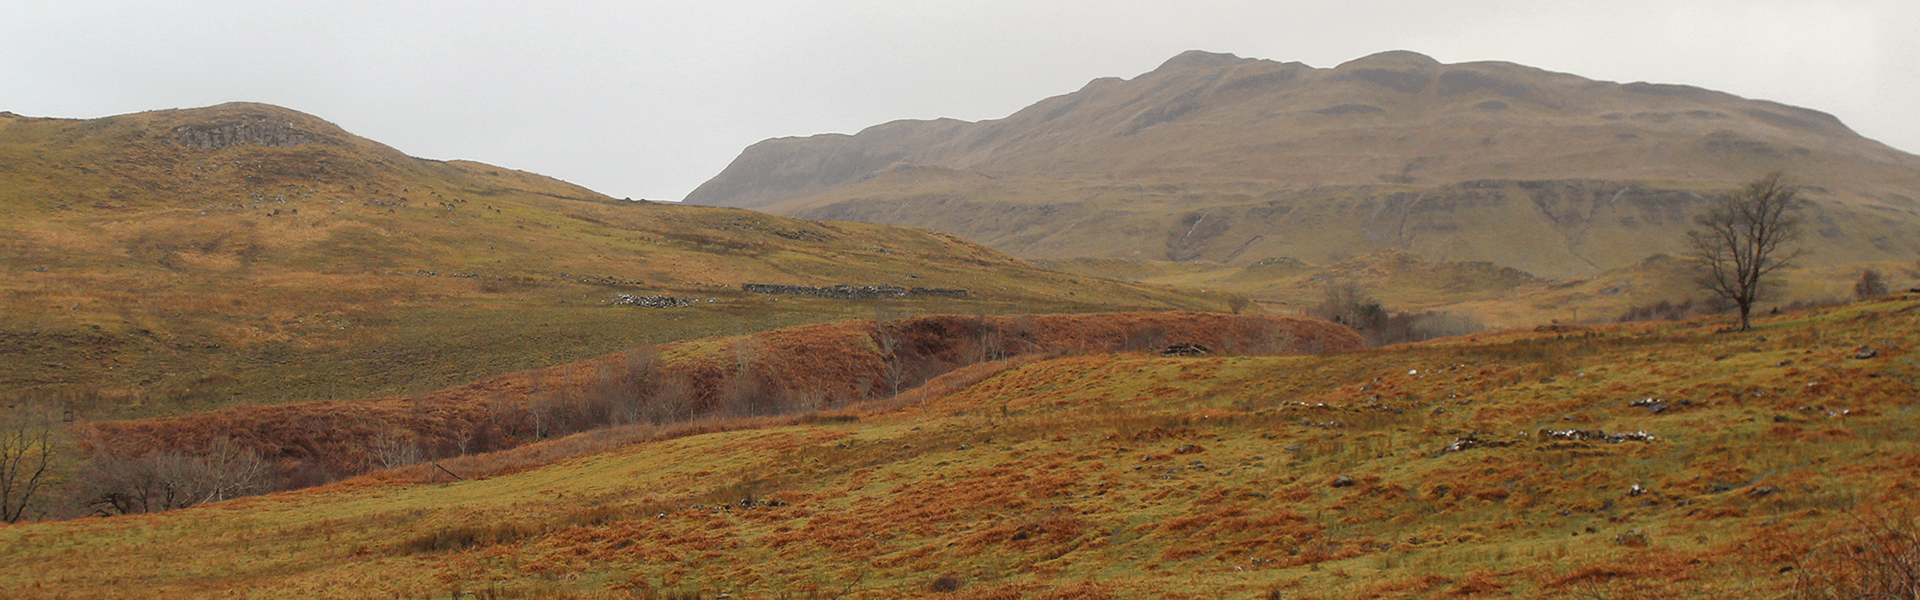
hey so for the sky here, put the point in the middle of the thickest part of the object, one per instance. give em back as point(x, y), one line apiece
point(648, 99)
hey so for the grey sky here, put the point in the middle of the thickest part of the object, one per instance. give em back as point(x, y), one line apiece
point(649, 99)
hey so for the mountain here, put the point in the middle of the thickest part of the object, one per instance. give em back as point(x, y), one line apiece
point(1630, 461)
point(1230, 160)
point(181, 259)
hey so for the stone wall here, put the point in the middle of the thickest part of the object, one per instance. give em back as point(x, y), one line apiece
point(849, 292)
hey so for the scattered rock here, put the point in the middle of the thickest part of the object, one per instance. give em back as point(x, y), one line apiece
point(1185, 350)
point(1866, 352)
point(651, 301)
point(1584, 435)
point(1471, 441)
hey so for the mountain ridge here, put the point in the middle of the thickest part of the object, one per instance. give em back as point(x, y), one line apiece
point(1222, 159)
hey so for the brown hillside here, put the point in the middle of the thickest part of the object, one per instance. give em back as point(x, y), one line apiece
point(1234, 160)
point(782, 371)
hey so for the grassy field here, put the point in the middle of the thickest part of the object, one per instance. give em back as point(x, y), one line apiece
point(1626, 461)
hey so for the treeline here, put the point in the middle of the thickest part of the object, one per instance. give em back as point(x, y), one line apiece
point(123, 467)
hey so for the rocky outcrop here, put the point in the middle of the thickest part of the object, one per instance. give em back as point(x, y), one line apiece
point(255, 130)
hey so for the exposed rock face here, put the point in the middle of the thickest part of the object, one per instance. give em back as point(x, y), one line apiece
point(253, 130)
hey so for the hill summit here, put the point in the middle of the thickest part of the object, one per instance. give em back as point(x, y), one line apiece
point(1222, 158)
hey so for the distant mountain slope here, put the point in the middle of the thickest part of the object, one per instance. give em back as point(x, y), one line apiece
point(1235, 160)
point(178, 259)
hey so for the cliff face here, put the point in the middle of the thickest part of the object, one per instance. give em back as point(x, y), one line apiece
point(1218, 134)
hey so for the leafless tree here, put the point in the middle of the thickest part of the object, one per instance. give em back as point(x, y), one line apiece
point(27, 451)
point(393, 447)
point(232, 470)
point(886, 336)
point(1743, 238)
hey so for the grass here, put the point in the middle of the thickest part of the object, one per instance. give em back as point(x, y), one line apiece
point(1154, 477)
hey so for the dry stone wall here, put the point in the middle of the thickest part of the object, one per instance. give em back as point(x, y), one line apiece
point(849, 292)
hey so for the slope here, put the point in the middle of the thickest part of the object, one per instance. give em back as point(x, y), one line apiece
point(1232, 160)
point(1666, 460)
point(243, 253)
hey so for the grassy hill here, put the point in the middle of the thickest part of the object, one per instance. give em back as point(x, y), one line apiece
point(182, 259)
point(1630, 461)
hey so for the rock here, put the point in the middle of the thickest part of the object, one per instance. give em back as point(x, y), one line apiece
point(1342, 481)
point(1866, 352)
point(650, 301)
point(1185, 350)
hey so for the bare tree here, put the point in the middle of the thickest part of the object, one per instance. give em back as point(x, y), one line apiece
point(393, 447)
point(232, 470)
point(27, 452)
point(887, 338)
point(1740, 240)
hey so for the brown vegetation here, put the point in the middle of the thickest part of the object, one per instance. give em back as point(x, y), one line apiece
point(779, 372)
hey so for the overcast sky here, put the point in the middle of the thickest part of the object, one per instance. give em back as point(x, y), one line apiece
point(649, 99)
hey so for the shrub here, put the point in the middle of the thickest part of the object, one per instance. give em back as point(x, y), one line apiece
point(946, 584)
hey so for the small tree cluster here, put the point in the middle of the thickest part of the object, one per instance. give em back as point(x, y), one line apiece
point(111, 485)
point(1348, 303)
point(1869, 286)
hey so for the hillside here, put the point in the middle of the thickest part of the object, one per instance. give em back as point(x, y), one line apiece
point(1234, 161)
point(175, 260)
point(1646, 460)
